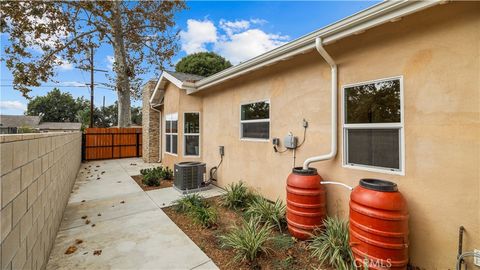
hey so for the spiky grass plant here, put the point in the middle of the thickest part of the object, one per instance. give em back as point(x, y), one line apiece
point(205, 216)
point(248, 240)
point(197, 207)
point(237, 197)
point(188, 202)
point(330, 245)
point(273, 213)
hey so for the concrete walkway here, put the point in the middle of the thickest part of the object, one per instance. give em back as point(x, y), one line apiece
point(125, 223)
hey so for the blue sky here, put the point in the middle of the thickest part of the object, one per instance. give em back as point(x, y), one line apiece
point(236, 30)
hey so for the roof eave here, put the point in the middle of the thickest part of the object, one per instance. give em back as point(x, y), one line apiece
point(357, 23)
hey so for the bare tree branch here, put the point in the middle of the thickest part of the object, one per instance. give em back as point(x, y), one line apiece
point(64, 46)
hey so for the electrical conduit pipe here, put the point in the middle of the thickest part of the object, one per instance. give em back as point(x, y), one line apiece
point(334, 117)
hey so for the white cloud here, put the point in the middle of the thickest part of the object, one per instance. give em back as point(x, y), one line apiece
point(258, 21)
point(240, 39)
point(231, 27)
point(12, 105)
point(110, 61)
point(73, 83)
point(65, 65)
point(198, 34)
point(248, 44)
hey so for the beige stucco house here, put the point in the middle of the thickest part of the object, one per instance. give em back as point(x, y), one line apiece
point(407, 107)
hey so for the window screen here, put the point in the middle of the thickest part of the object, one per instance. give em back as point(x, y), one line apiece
point(374, 147)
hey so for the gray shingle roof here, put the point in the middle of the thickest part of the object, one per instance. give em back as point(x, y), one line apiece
point(185, 77)
point(19, 121)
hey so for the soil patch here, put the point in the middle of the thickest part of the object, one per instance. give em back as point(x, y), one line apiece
point(163, 183)
point(292, 256)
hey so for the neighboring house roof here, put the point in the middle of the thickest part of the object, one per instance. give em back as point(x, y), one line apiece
point(60, 126)
point(19, 121)
point(185, 77)
point(381, 13)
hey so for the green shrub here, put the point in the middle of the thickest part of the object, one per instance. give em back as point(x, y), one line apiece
point(157, 171)
point(167, 173)
point(188, 202)
point(237, 197)
point(153, 176)
point(283, 242)
point(273, 213)
point(248, 240)
point(330, 245)
point(151, 179)
point(206, 216)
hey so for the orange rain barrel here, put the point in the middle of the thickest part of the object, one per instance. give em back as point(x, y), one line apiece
point(379, 225)
point(305, 202)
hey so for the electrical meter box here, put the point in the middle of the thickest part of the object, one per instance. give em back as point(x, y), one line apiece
point(290, 141)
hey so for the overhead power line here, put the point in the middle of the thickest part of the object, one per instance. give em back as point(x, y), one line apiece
point(59, 85)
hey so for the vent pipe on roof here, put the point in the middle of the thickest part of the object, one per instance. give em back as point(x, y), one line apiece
point(333, 145)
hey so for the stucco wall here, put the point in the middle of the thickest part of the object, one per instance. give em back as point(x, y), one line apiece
point(177, 101)
point(437, 53)
point(37, 175)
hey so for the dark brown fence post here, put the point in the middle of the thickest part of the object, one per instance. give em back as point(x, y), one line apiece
point(84, 146)
point(137, 142)
point(113, 144)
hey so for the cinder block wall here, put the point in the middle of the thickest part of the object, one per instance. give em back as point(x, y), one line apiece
point(37, 176)
point(150, 125)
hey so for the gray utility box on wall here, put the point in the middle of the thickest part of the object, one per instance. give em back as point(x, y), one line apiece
point(189, 176)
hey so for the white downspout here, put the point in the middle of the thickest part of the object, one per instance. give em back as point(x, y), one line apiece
point(333, 121)
point(159, 135)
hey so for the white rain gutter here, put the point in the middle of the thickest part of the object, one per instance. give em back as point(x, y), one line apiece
point(333, 104)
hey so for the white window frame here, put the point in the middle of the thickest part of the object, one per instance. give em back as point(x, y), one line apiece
point(400, 126)
point(255, 121)
point(192, 134)
point(171, 117)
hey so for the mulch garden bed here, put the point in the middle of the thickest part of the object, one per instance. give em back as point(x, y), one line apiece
point(293, 256)
point(163, 183)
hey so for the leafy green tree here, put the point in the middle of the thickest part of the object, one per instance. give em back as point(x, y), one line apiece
point(56, 106)
point(202, 63)
point(107, 116)
point(140, 33)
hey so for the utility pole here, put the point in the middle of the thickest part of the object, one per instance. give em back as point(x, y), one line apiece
point(92, 70)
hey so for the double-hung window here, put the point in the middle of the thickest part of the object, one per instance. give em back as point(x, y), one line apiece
point(191, 133)
point(255, 120)
point(171, 133)
point(373, 125)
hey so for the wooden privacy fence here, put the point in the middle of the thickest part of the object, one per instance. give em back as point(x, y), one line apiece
point(109, 143)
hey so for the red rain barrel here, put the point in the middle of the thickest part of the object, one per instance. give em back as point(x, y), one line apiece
point(305, 202)
point(379, 225)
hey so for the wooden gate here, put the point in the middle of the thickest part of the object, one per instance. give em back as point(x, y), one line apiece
point(109, 143)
